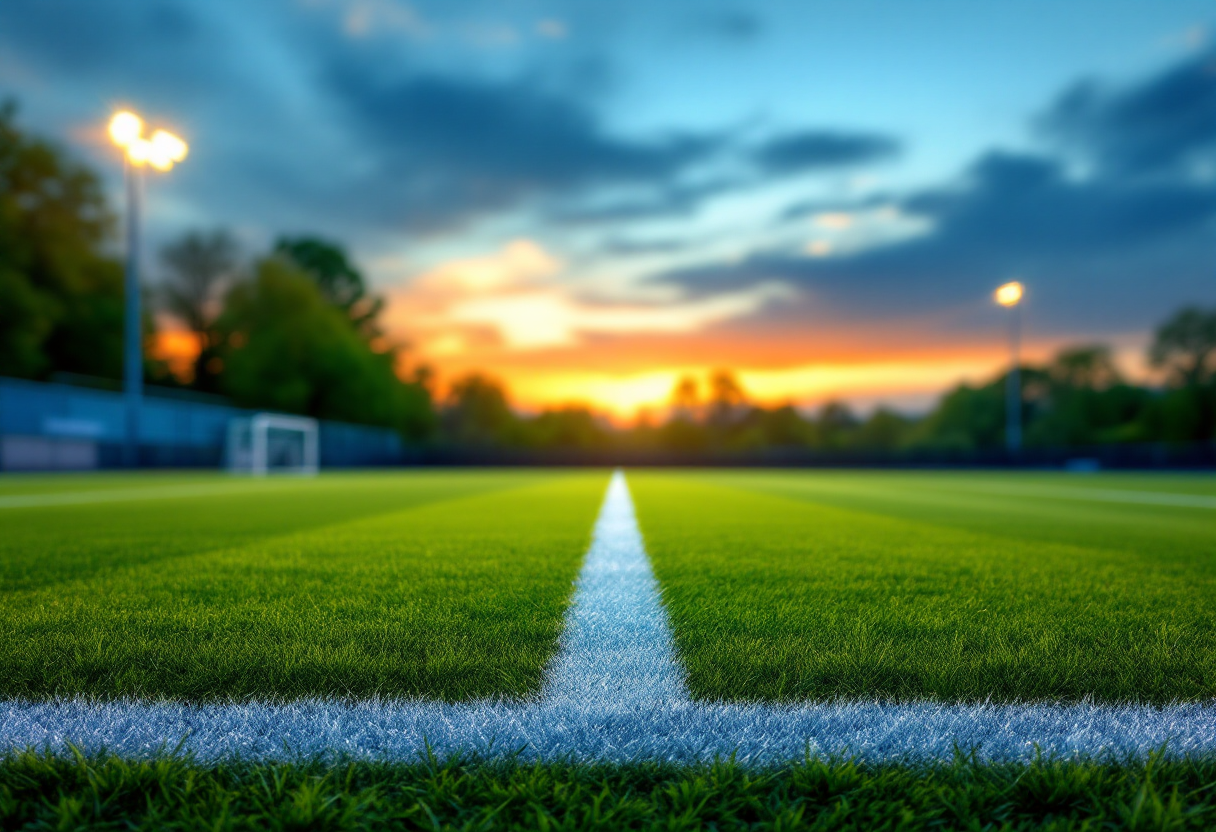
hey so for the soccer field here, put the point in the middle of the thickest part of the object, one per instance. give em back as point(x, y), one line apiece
point(437, 585)
point(780, 586)
point(842, 635)
point(947, 586)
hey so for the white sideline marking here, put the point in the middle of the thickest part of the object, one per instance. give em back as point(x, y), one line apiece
point(614, 693)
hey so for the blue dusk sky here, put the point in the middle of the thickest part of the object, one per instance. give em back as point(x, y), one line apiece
point(588, 199)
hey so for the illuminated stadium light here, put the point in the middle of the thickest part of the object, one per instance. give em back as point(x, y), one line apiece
point(125, 127)
point(1009, 294)
point(161, 151)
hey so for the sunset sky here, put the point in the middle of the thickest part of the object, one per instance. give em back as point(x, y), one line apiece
point(587, 199)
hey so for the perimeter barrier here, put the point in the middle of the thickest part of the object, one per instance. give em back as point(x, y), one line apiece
point(56, 426)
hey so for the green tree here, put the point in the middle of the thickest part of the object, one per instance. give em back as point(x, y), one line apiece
point(284, 346)
point(573, 426)
point(1185, 346)
point(966, 418)
point(198, 266)
point(885, 430)
point(61, 301)
point(1087, 367)
point(835, 425)
point(341, 283)
point(477, 413)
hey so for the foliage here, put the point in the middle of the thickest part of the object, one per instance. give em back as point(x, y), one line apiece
point(41, 791)
point(340, 282)
point(61, 301)
point(322, 352)
point(284, 346)
point(945, 586)
point(355, 585)
point(198, 265)
point(477, 413)
point(1185, 346)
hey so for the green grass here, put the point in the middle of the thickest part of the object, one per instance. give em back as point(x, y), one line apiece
point(40, 792)
point(405, 584)
point(790, 586)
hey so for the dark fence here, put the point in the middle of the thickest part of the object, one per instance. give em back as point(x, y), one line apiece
point(53, 425)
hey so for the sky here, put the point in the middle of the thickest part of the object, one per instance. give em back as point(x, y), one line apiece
point(588, 199)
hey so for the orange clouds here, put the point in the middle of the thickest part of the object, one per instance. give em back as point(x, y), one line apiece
point(516, 313)
point(514, 300)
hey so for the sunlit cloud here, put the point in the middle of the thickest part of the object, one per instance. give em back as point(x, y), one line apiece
point(521, 295)
point(836, 221)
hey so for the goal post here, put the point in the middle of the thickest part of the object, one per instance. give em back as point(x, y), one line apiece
point(271, 443)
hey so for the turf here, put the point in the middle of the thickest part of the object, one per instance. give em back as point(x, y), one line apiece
point(788, 586)
point(40, 792)
point(406, 584)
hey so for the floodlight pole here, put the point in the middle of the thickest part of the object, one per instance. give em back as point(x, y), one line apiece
point(133, 353)
point(1013, 385)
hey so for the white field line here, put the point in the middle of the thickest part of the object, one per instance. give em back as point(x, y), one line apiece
point(614, 693)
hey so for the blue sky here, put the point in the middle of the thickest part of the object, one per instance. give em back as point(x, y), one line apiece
point(590, 198)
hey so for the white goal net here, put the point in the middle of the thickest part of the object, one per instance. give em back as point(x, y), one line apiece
point(269, 443)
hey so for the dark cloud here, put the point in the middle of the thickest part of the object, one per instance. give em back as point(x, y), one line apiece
point(449, 148)
point(163, 47)
point(1114, 247)
point(1013, 215)
point(809, 207)
point(627, 246)
point(820, 149)
point(732, 24)
point(664, 201)
point(1161, 125)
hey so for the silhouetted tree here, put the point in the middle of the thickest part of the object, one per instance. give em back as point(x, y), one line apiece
point(686, 398)
point(727, 399)
point(1085, 367)
point(1185, 346)
point(199, 265)
point(477, 413)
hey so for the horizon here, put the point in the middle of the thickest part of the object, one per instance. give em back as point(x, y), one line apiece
point(548, 193)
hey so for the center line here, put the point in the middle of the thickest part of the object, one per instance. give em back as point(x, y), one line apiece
point(616, 650)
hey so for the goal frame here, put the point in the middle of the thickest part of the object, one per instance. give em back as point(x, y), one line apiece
point(258, 455)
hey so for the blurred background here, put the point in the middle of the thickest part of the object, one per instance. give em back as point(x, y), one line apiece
point(592, 231)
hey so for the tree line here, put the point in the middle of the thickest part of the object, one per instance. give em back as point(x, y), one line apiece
point(296, 329)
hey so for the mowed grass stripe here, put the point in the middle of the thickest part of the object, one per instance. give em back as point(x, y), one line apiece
point(167, 491)
point(961, 501)
point(48, 544)
point(454, 600)
point(777, 598)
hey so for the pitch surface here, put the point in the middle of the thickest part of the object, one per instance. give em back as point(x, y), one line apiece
point(789, 586)
point(438, 585)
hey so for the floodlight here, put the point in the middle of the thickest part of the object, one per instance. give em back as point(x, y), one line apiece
point(125, 128)
point(1009, 294)
point(169, 145)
